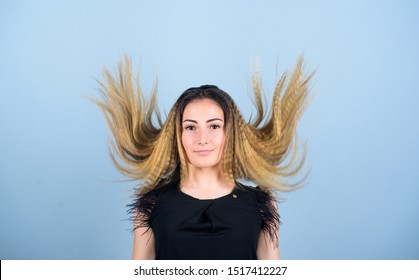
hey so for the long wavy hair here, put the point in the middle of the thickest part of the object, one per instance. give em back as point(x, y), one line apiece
point(263, 150)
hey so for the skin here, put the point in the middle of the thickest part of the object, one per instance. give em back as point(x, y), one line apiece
point(203, 139)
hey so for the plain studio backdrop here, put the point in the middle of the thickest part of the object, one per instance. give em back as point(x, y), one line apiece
point(57, 198)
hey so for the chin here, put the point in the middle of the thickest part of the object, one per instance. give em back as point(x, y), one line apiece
point(202, 164)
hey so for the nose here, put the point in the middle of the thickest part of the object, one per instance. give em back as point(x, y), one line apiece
point(202, 137)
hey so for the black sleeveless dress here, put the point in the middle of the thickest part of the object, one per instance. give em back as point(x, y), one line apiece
point(227, 227)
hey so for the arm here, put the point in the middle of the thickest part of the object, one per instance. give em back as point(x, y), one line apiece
point(143, 244)
point(266, 249)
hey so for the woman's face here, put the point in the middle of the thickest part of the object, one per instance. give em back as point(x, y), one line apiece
point(203, 133)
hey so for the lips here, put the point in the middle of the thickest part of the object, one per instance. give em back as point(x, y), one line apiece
point(203, 152)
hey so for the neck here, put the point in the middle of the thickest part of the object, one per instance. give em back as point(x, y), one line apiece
point(204, 178)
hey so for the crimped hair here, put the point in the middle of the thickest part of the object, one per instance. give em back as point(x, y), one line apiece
point(256, 151)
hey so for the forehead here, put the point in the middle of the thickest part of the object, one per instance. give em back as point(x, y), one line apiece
point(203, 108)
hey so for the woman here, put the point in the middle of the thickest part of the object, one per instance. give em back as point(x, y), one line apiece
point(190, 204)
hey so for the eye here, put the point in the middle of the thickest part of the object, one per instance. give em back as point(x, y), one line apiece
point(190, 127)
point(215, 126)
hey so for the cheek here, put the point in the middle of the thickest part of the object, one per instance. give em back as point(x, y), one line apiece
point(220, 140)
point(186, 141)
point(183, 141)
point(185, 147)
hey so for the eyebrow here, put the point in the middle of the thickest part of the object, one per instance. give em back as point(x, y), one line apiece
point(210, 120)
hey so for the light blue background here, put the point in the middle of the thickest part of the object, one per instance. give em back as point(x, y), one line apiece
point(57, 200)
